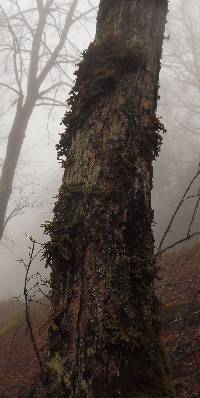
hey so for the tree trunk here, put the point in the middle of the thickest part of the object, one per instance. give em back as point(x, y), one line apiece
point(15, 142)
point(104, 340)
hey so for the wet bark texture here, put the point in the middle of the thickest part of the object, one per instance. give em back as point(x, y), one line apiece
point(104, 340)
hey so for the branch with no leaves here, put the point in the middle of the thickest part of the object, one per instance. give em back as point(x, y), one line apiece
point(189, 235)
point(27, 304)
point(29, 292)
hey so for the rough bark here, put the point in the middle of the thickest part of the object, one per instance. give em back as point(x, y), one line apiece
point(104, 340)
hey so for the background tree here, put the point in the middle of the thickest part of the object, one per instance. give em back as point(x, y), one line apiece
point(180, 108)
point(35, 46)
point(105, 337)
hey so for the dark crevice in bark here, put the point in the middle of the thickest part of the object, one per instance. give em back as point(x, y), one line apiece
point(80, 314)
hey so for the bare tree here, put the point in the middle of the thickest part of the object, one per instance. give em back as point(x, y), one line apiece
point(181, 89)
point(183, 69)
point(36, 51)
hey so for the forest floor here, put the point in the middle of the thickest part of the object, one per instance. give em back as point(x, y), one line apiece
point(178, 290)
point(179, 293)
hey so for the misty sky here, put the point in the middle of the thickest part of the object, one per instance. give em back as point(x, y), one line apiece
point(40, 172)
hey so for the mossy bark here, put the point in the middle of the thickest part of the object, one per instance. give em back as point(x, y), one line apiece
point(104, 341)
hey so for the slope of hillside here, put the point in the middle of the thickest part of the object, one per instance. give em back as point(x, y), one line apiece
point(19, 369)
point(179, 293)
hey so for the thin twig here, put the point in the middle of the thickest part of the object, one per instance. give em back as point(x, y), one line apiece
point(178, 242)
point(27, 306)
point(188, 237)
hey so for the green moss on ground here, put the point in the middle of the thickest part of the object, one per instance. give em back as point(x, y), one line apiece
point(12, 324)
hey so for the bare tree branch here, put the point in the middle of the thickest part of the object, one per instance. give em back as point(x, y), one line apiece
point(53, 87)
point(9, 87)
point(36, 44)
point(27, 303)
point(67, 26)
point(174, 244)
point(174, 216)
point(16, 49)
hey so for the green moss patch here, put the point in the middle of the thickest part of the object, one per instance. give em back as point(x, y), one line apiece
point(12, 324)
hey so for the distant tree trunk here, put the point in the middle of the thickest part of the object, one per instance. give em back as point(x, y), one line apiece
point(15, 142)
point(104, 340)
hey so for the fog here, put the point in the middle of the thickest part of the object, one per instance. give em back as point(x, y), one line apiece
point(39, 174)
